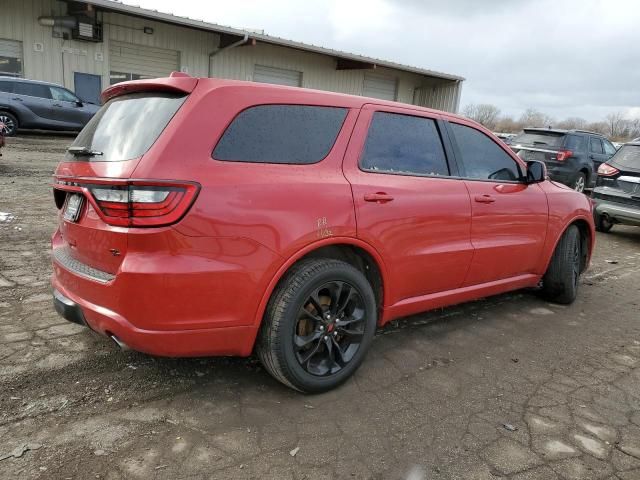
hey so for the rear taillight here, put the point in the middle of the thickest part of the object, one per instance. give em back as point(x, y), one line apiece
point(143, 204)
point(562, 155)
point(606, 170)
point(131, 203)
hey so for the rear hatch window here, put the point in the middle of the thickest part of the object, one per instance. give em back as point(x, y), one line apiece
point(540, 139)
point(628, 158)
point(125, 127)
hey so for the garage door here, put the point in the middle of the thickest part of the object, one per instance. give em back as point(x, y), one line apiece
point(10, 58)
point(279, 76)
point(134, 62)
point(377, 86)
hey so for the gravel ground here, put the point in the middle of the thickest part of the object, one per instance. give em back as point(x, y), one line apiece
point(508, 387)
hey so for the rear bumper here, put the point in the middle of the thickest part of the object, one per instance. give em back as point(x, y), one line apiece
point(232, 341)
point(199, 299)
point(621, 213)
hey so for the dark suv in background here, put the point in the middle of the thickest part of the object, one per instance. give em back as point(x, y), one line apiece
point(572, 156)
point(31, 104)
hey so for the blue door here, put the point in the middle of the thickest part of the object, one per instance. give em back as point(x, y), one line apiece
point(88, 87)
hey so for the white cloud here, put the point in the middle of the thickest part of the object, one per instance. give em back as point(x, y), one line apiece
point(564, 57)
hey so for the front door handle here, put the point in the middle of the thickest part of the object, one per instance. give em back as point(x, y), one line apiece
point(484, 199)
point(378, 197)
point(17, 99)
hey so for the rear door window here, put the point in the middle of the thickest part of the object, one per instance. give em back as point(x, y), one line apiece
point(595, 145)
point(288, 134)
point(126, 126)
point(483, 159)
point(403, 144)
point(32, 89)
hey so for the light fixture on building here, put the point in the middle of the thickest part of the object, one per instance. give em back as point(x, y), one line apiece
point(148, 30)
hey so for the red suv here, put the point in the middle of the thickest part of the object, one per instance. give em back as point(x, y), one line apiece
point(211, 217)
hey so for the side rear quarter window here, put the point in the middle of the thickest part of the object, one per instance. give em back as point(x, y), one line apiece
point(575, 143)
point(482, 158)
point(287, 134)
point(6, 86)
point(32, 89)
point(403, 144)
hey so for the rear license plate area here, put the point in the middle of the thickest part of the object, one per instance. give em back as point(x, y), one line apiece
point(73, 207)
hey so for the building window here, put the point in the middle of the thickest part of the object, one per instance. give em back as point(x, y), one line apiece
point(117, 77)
point(10, 58)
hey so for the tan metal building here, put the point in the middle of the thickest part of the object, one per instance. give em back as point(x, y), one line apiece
point(88, 45)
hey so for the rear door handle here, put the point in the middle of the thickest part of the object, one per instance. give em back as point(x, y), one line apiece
point(484, 199)
point(378, 197)
point(17, 99)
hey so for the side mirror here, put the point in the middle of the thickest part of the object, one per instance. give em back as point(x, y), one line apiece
point(79, 103)
point(536, 171)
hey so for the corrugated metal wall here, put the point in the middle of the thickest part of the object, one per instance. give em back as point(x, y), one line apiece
point(60, 58)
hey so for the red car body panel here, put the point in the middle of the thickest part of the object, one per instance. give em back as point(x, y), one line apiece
point(201, 286)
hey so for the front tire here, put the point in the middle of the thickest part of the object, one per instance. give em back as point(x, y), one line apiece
point(560, 283)
point(10, 123)
point(318, 325)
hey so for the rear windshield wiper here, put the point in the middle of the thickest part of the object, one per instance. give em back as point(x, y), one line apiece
point(83, 152)
point(536, 142)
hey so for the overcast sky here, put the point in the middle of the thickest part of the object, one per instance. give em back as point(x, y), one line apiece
point(563, 57)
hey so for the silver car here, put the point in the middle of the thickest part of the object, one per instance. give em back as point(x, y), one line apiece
point(32, 104)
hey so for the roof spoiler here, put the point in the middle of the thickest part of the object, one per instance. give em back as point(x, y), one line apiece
point(177, 82)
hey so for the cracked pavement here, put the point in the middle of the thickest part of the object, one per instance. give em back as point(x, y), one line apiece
point(508, 387)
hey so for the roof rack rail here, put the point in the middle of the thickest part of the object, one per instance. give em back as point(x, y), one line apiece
point(579, 130)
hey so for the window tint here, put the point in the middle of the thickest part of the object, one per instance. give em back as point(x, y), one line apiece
point(126, 126)
point(31, 89)
point(482, 157)
point(575, 143)
point(609, 149)
point(595, 145)
point(296, 134)
point(62, 95)
point(6, 86)
point(403, 144)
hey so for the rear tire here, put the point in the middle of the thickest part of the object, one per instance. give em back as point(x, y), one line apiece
point(11, 123)
point(603, 224)
point(579, 182)
point(318, 325)
point(560, 282)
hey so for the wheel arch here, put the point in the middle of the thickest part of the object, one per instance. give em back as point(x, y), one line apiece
point(351, 250)
point(587, 238)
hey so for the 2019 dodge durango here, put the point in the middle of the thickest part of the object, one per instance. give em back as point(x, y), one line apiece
point(211, 217)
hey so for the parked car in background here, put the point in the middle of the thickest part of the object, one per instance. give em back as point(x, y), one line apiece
point(617, 192)
point(212, 217)
point(505, 137)
point(572, 156)
point(32, 104)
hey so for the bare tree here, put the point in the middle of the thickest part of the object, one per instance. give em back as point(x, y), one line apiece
point(533, 118)
point(483, 113)
point(615, 124)
point(573, 123)
point(507, 124)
